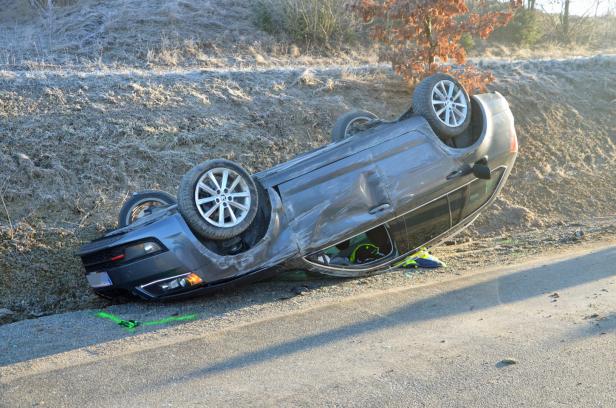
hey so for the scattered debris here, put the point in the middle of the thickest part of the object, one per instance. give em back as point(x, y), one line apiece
point(508, 361)
point(130, 325)
point(420, 259)
point(300, 290)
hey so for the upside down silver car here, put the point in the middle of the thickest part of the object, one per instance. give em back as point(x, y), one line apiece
point(357, 206)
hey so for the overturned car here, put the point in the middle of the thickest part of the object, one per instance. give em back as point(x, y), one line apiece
point(355, 207)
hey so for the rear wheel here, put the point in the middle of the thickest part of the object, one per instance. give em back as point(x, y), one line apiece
point(350, 123)
point(143, 203)
point(218, 199)
point(444, 103)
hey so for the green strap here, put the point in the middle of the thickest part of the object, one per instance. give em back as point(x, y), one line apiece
point(130, 325)
point(171, 319)
point(127, 324)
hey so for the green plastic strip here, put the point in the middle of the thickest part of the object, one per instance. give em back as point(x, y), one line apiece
point(170, 319)
point(130, 325)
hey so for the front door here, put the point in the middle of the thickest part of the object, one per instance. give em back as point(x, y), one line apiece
point(336, 201)
point(413, 229)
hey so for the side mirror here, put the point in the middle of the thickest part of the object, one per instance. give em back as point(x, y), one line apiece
point(482, 171)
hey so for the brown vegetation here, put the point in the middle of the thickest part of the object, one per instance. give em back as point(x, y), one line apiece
point(419, 37)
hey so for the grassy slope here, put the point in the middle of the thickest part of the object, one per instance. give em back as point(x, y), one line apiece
point(75, 142)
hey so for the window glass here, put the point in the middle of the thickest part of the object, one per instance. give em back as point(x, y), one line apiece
point(480, 191)
point(365, 249)
point(426, 223)
point(397, 231)
point(456, 203)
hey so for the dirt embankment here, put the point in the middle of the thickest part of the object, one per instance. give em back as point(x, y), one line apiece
point(74, 145)
point(566, 125)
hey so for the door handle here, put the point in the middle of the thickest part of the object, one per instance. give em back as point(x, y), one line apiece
point(379, 208)
point(466, 169)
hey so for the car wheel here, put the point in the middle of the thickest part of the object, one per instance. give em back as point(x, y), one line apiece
point(143, 203)
point(350, 123)
point(444, 103)
point(218, 199)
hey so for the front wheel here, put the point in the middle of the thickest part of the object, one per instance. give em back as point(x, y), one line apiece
point(143, 203)
point(218, 199)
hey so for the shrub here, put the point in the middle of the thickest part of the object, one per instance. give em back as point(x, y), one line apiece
point(43, 5)
point(467, 42)
point(319, 22)
point(524, 29)
point(419, 37)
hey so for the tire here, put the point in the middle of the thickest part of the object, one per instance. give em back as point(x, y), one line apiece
point(448, 113)
point(343, 127)
point(141, 204)
point(205, 218)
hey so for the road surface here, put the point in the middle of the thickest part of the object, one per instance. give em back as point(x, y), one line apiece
point(539, 334)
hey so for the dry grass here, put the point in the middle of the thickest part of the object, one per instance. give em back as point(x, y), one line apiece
point(76, 144)
point(165, 32)
point(75, 140)
point(316, 22)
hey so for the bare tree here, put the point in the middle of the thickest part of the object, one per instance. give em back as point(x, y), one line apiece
point(565, 20)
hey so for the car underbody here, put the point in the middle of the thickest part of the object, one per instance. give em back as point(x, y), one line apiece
point(352, 208)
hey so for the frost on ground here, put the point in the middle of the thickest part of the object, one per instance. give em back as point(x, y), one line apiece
point(74, 146)
point(106, 97)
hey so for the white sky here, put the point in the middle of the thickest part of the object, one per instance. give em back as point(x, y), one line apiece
point(579, 7)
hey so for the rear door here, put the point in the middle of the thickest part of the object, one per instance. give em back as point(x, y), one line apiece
point(415, 166)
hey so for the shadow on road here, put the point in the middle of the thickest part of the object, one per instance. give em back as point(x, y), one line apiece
point(506, 289)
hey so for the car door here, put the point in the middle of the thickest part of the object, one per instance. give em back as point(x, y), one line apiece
point(421, 225)
point(416, 228)
point(478, 193)
point(415, 166)
point(336, 201)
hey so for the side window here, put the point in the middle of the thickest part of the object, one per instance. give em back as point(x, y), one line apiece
point(480, 191)
point(363, 250)
point(426, 223)
point(456, 204)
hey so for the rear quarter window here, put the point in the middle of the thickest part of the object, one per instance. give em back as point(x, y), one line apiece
point(480, 191)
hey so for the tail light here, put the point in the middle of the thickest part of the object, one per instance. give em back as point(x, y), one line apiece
point(171, 285)
point(513, 147)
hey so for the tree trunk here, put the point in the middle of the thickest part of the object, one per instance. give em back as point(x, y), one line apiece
point(432, 50)
point(566, 21)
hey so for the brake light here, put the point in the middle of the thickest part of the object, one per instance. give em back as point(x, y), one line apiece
point(117, 257)
point(513, 147)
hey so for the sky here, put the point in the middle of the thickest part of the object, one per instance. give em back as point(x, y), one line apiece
point(578, 7)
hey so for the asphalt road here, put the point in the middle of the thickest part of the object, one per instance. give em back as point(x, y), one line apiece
point(436, 345)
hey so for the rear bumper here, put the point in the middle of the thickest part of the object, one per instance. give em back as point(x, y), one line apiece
point(130, 276)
